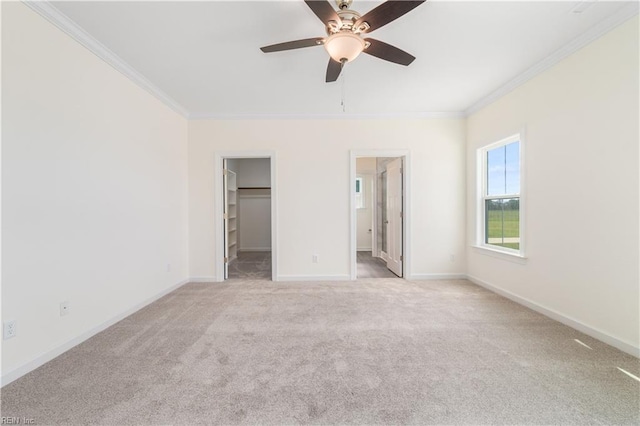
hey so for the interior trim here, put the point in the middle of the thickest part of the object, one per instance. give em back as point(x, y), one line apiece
point(405, 154)
point(218, 198)
point(562, 318)
point(64, 23)
point(439, 276)
point(568, 49)
point(68, 26)
point(337, 116)
point(204, 280)
point(59, 350)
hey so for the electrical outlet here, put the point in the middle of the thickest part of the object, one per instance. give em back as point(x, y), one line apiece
point(64, 308)
point(9, 329)
point(314, 258)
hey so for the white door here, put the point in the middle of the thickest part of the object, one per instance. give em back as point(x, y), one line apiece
point(394, 216)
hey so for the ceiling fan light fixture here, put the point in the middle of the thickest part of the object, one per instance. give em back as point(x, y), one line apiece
point(344, 45)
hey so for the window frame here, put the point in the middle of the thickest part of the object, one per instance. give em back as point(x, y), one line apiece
point(482, 178)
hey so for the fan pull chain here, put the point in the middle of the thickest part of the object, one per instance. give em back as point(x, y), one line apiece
point(343, 101)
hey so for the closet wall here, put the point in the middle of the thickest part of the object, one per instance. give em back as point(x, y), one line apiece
point(254, 203)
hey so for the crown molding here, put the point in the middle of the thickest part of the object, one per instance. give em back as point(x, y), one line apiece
point(337, 116)
point(64, 23)
point(573, 46)
point(60, 20)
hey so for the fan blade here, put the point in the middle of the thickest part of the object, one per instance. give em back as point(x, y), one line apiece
point(297, 44)
point(388, 52)
point(323, 10)
point(333, 70)
point(387, 12)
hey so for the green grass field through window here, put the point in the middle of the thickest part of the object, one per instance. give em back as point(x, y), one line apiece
point(503, 223)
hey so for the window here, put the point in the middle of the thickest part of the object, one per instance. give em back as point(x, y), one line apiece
point(500, 201)
point(359, 194)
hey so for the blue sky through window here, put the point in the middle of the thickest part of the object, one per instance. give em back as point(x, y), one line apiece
point(503, 170)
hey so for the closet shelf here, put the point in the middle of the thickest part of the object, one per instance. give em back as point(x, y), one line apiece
point(231, 216)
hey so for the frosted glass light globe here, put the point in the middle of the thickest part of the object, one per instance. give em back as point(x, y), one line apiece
point(344, 45)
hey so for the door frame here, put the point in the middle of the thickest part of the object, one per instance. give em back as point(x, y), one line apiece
point(406, 204)
point(220, 156)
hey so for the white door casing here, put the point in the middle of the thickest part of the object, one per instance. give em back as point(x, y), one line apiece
point(406, 204)
point(219, 200)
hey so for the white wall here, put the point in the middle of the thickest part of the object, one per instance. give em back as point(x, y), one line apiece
point(94, 187)
point(313, 188)
point(365, 169)
point(581, 190)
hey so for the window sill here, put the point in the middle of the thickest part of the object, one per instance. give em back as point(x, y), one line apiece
point(499, 254)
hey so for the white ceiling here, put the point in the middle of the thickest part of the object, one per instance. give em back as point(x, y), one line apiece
point(206, 56)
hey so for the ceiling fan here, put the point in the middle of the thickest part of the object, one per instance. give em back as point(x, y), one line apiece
point(345, 27)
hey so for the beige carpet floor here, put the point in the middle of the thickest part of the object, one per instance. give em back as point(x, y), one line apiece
point(379, 351)
point(251, 265)
point(372, 267)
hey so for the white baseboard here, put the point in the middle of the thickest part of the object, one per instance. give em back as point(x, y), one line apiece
point(442, 276)
point(55, 352)
point(590, 331)
point(254, 249)
point(369, 249)
point(345, 277)
point(573, 323)
point(203, 280)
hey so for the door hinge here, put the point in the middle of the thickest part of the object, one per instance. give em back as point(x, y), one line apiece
point(401, 215)
point(225, 171)
point(225, 216)
point(401, 258)
point(226, 259)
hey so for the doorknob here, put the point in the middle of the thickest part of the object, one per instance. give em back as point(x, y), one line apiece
point(386, 221)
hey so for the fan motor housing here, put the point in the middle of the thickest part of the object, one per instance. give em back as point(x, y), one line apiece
point(348, 19)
